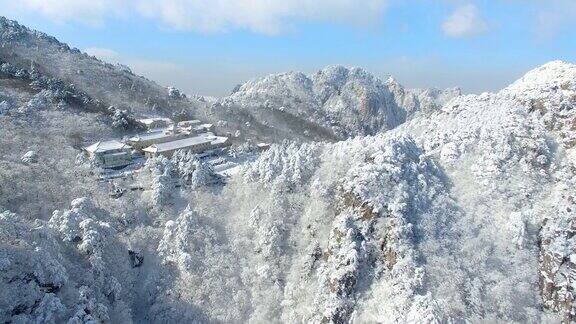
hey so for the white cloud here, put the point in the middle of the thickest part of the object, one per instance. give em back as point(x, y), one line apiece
point(466, 21)
point(92, 12)
point(262, 16)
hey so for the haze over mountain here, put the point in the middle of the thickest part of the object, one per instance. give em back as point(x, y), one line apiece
point(376, 203)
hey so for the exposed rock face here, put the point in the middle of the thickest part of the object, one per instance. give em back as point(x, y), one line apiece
point(362, 249)
point(558, 258)
point(136, 258)
point(510, 192)
point(30, 157)
point(558, 275)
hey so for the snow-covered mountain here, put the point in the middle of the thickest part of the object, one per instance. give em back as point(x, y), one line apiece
point(27, 49)
point(344, 101)
point(456, 209)
point(93, 85)
point(333, 104)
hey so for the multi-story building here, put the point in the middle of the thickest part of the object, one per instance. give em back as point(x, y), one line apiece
point(110, 154)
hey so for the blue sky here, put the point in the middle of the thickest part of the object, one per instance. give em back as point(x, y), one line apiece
point(208, 46)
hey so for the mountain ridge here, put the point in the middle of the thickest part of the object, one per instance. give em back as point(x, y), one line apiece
point(330, 96)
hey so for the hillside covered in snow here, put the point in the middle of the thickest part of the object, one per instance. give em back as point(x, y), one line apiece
point(446, 208)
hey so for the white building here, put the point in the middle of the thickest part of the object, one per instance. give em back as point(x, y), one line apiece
point(195, 128)
point(196, 144)
point(204, 128)
point(110, 154)
point(189, 123)
point(263, 146)
point(144, 140)
point(219, 141)
point(155, 122)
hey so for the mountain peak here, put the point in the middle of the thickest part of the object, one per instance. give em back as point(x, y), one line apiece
point(548, 77)
point(338, 75)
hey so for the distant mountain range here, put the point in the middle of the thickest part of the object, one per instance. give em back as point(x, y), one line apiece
point(345, 102)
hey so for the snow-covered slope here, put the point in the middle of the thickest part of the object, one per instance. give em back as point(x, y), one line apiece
point(550, 92)
point(345, 101)
point(465, 215)
point(510, 159)
point(114, 85)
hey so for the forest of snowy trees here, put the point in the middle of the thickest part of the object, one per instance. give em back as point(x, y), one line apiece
point(444, 208)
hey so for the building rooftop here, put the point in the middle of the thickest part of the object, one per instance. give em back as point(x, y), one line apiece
point(178, 144)
point(203, 126)
point(219, 140)
point(152, 135)
point(105, 146)
point(190, 122)
point(150, 120)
